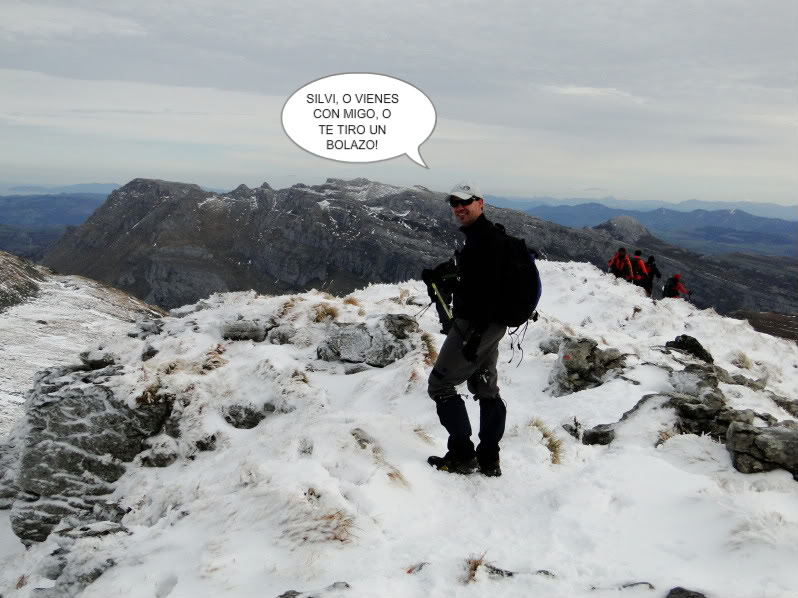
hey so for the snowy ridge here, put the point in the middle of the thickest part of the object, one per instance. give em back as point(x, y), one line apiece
point(69, 314)
point(333, 485)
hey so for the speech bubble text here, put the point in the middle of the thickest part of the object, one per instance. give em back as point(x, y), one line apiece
point(359, 117)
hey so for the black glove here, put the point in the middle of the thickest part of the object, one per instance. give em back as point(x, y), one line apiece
point(470, 348)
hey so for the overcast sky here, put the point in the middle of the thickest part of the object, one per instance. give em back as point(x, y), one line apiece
point(642, 99)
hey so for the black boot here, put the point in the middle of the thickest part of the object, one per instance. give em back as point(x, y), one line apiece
point(461, 456)
point(492, 418)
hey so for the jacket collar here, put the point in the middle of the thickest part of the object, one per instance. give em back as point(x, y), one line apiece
point(479, 226)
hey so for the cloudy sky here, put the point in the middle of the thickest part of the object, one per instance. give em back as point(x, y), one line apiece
point(649, 99)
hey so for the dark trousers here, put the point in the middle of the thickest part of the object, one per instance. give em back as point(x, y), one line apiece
point(452, 369)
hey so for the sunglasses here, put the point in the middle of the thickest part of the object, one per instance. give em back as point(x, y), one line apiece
point(456, 201)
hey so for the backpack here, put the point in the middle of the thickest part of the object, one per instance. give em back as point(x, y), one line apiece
point(669, 290)
point(520, 282)
point(636, 269)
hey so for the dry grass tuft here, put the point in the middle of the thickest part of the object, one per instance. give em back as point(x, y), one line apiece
point(287, 306)
point(22, 582)
point(741, 360)
point(351, 301)
point(422, 433)
point(553, 443)
point(324, 311)
point(213, 359)
point(430, 350)
point(337, 526)
point(397, 478)
point(473, 563)
point(301, 376)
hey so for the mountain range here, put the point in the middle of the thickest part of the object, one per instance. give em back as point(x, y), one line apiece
point(765, 210)
point(716, 231)
point(174, 243)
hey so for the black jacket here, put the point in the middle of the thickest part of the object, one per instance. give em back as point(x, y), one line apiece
point(479, 267)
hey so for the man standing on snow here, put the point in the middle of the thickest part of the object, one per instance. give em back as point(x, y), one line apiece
point(620, 265)
point(471, 348)
point(674, 286)
point(639, 270)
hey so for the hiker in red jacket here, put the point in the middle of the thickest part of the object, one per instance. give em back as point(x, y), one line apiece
point(621, 266)
point(639, 270)
point(674, 286)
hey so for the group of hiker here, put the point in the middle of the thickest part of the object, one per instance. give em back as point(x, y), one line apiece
point(642, 274)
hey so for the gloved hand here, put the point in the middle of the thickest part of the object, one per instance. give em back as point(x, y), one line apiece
point(470, 348)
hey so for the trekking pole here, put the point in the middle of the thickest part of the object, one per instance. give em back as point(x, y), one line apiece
point(447, 311)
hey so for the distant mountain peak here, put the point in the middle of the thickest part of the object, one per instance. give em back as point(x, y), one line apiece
point(624, 228)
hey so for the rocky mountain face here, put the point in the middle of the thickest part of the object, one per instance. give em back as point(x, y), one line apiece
point(19, 279)
point(172, 244)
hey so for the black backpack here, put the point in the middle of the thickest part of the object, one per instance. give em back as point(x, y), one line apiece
point(669, 290)
point(520, 285)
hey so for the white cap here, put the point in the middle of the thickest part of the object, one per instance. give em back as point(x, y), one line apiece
point(466, 189)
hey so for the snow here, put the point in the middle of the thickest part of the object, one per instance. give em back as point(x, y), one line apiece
point(298, 502)
point(69, 314)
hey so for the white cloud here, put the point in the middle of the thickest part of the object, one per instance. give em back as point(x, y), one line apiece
point(593, 92)
point(25, 19)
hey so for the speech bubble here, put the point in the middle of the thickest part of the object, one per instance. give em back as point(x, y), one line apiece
point(359, 117)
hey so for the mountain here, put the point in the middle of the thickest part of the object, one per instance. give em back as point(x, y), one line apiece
point(44, 317)
point(26, 242)
point(249, 445)
point(764, 210)
point(719, 231)
point(173, 243)
point(48, 211)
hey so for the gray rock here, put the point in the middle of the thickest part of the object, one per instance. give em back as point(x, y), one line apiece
point(377, 343)
point(77, 440)
point(162, 451)
point(97, 359)
point(282, 334)
point(690, 345)
point(679, 592)
point(581, 365)
point(335, 587)
point(789, 405)
point(756, 450)
point(246, 416)
point(146, 328)
point(601, 434)
point(247, 330)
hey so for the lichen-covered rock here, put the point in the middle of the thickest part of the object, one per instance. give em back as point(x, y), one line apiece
point(378, 342)
point(77, 438)
point(581, 364)
point(282, 334)
point(756, 450)
point(688, 344)
point(600, 434)
point(253, 330)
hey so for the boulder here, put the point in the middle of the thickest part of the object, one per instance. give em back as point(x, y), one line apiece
point(77, 440)
point(246, 417)
point(756, 450)
point(581, 364)
point(240, 330)
point(690, 345)
point(378, 342)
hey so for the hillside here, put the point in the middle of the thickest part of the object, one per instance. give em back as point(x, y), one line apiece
point(44, 319)
point(284, 443)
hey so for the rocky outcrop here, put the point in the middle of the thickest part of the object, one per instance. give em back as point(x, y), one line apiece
point(581, 364)
point(755, 450)
point(78, 439)
point(254, 330)
point(379, 342)
point(20, 279)
point(690, 345)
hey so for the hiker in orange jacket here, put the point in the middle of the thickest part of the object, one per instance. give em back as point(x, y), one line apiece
point(639, 270)
point(674, 286)
point(621, 266)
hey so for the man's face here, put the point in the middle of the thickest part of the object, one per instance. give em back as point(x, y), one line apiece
point(466, 215)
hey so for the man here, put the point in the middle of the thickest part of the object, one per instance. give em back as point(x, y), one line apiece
point(471, 348)
point(620, 265)
point(639, 270)
point(653, 272)
point(674, 286)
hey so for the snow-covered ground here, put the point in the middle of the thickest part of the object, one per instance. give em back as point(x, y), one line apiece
point(338, 489)
point(70, 313)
